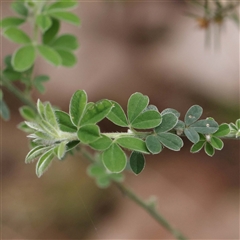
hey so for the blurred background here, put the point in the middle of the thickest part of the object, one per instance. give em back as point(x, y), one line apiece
point(153, 48)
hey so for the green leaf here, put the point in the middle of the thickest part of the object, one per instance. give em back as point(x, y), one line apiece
point(102, 143)
point(205, 126)
point(62, 5)
point(44, 162)
point(117, 115)
point(16, 35)
point(216, 143)
point(41, 109)
point(50, 116)
point(114, 159)
point(223, 130)
point(33, 126)
point(20, 8)
point(11, 74)
point(169, 121)
point(44, 22)
point(171, 110)
point(88, 133)
point(151, 107)
point(147, 120)
point(41, 137)
point(137, 162)
point(197, 146)
point(37, 82)
point(133, 143)
point(68, 59)
point(237, 123)
point(66, 41)
point(64, 122)
point(49, 54)
point(103, 182)
point(67, 17)
point(96, 112)
point(209, 150)
point(49, 129)
point(153, 144)
point(193, 114)
point(170, 141)
point(7, 61)
point(77, 106)
point(191, 134)
point(50, 34)
point(24, 127)
point(96, 170)
point(23, 58)
point(136, 104)
point(72, 145)
point(4, 110)
point(61, 150)
point(11, 22)
point(28, 113)
point(233, 127)
point(35, 153)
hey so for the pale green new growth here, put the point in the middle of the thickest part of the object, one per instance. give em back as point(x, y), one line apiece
point(54, 133)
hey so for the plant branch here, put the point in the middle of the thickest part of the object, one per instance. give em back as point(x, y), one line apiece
point(19, 94)
point(148, 206)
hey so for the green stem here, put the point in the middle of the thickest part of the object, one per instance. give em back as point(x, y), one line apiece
point(150, 207)
point(19, 94)
point(127, 134)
